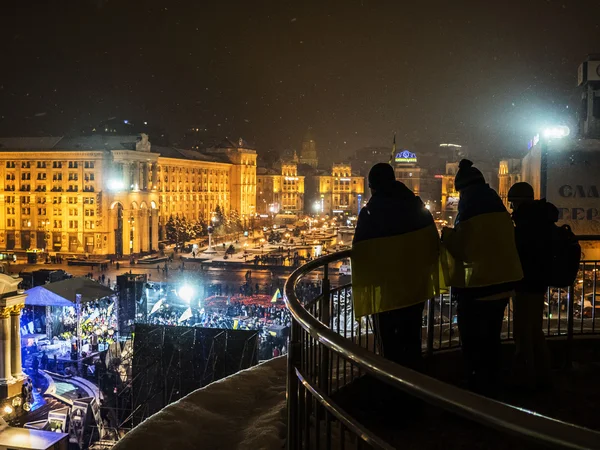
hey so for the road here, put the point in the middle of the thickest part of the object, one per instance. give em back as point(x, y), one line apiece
point(192, 273)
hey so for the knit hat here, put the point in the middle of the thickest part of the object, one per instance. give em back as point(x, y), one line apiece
point(381, 175)
point(520, 191)
point(467, 175)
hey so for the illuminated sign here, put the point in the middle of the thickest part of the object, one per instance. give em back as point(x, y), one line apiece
point(533, 142)
point(451, 145)
point(439, 176)
point(405, 157)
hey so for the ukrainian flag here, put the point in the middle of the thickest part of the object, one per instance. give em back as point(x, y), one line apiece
point(480, 252)
point(395, 272)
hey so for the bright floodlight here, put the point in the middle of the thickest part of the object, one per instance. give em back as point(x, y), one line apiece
point(557, 132)
point(186, 292)
point(115, 185)
point(8, 409)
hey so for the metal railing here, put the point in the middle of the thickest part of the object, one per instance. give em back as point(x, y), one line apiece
point(328, 350)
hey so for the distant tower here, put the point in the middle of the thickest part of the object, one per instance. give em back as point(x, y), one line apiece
point(393, 155)
point(308, 154)
point(295, 158)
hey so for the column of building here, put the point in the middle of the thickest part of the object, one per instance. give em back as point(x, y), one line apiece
point(5, 360)
point(15, 341)
point(10, 343)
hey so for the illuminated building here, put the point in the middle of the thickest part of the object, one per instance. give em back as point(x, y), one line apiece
point(280, 191)
point(308, 154)
point(450, 197)
point(113, 194)
point(337, 192)
point(407, 171)
point(509, 173)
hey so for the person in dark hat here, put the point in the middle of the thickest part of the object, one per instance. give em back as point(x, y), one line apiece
point(394, 257)
point(481, 264)
point(534, 221)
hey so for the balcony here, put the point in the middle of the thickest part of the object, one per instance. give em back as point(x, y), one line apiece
point(336, 376)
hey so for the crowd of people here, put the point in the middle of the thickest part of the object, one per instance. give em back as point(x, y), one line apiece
point(487, 258)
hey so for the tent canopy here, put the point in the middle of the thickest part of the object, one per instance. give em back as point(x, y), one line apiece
point(63, 293)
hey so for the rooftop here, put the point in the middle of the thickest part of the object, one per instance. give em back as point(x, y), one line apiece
point(100, 143)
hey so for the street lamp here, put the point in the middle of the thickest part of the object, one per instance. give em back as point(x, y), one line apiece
point(46, 225)
point(557, 132)
point(131, 222)
point(210, 250)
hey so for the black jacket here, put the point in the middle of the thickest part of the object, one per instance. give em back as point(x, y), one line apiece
point(533, 236)
point(392, 211)
point(478, 199)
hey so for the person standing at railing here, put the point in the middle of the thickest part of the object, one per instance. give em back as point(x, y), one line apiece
point(534, 221)
point(481, 264)
point(395, 255)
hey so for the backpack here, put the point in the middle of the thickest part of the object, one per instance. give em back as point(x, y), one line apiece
point(564, 257)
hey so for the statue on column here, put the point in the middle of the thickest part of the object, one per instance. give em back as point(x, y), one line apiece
point(143, 145)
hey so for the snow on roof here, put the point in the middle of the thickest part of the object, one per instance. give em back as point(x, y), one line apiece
point(95, 142)
point(244, 410)
point(171, 152)
point(28, 143)
point(26, 439)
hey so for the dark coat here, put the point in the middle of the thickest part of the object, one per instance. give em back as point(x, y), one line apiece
point(390, 212)
point(478, 199)
point(533, 235)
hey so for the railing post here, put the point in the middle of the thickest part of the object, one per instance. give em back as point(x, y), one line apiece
point(294, 349)
point(430, 324)
point(324, 309)
point(570, 323)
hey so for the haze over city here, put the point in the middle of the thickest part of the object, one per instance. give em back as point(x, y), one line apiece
point(487, 75)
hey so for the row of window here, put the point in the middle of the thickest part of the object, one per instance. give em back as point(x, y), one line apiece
point(26, 210)
point(73, 224)
point(55, 164)
point(25, 199)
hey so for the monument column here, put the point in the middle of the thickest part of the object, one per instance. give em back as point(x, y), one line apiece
point(5, 347)
point(15, 341)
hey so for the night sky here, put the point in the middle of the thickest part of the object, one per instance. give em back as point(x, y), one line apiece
point(485, 74)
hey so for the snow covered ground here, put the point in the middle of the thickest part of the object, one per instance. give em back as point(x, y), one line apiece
point(244, 411)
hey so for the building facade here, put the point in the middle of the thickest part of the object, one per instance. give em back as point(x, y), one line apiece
point(280, 191)
point(335, 193)
point(509, 173)
point(110, 195)
point(407, 171)
point(450, 197)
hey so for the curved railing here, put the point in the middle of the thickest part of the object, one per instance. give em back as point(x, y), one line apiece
point(327, 352)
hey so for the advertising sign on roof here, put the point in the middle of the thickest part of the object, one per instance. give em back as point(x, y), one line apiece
point(405, 157)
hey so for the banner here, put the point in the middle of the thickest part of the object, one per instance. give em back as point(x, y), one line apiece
point(157, 306)
point(186, 315)
point(276, 296)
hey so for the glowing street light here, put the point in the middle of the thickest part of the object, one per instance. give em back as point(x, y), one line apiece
point(556, 132)
point(116, 185)
point(186, 292)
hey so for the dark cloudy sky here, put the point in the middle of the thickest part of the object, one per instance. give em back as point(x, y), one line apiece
point(484, 73)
